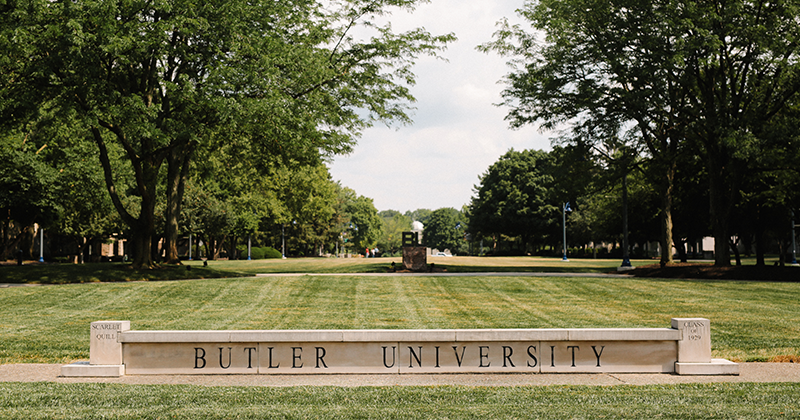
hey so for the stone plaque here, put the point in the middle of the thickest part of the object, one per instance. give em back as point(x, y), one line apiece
point(695, 343)
point(415, 258)
point(104, 349)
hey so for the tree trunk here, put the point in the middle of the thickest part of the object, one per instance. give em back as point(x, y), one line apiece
point(666, 215)
point(146, 167)
point(720, 206)
point(760, 261)
point(177, 172)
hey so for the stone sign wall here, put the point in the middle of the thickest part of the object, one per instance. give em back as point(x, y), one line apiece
point(683, 349)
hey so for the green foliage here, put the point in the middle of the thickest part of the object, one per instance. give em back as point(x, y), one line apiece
point(419, 215)
point(312, 212)
point(516, 198)
point(28, 185)
point(259, 253)
point(445, 230)
point(364, 226)
point(713, 81)
point(394, 224)
point(162, 80)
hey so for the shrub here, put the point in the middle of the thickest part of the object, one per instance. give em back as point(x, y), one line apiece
point(270, 252)
point(258, 253)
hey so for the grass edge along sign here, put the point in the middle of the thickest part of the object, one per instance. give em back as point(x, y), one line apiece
point(684, 349)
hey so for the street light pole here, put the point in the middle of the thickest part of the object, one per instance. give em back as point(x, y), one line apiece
point(564, 223)
point(248, 247)
point(794, 244)
point(626, 261)
point(41, 243)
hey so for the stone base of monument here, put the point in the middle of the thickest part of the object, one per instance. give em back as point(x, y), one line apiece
point(87, 370)
point(684, 349)
point(715, 367)
point(415, 258)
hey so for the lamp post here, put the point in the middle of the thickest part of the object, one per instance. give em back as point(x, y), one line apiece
point(190, 247)
point(626, 261)
point(248, 247)
point(41, 243)
point(283, 242)
point(794, 244)
point(564, 220)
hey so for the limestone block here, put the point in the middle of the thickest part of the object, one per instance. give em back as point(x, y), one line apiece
point(695, 339)
point(469, 357)
point(716, 367)
point(104, 347)
point(288, 336)
point(608, 356)
point(190, 358)
point(178, 336)
point(393, 336)
point(513, 335)
point(328, 358)
point(624, 334)
point(86, 370)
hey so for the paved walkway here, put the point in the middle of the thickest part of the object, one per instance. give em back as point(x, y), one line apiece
point(750, 372)
point(445, 274)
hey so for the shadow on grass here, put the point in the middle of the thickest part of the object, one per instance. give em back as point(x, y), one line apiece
point(105, 272)
point(522, 269)
point(709, 272)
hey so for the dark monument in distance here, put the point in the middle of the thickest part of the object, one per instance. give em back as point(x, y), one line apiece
point(415, 256)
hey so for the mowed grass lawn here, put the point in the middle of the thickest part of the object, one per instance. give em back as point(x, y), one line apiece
point(49, 324)
point(104, 401)
point(86, 273)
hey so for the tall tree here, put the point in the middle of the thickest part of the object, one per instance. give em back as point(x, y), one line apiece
point(445, 229)
point(363, 225)
point(515, 198)
point(159, 79)
point(394, 224)
point(690, 77)
point(743, 70)
point(605, 67)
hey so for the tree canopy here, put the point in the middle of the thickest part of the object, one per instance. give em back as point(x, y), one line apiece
point(515, 198)
point(674, 79)
point(445, 229)
point(158, 80)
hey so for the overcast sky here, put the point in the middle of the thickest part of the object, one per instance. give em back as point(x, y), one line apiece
point(457, 132)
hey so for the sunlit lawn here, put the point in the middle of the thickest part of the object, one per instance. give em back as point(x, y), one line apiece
point(104, 401)
point(84, 273)
point(750, 320)
point(49, 324)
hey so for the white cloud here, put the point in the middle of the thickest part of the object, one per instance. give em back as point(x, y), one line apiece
point(458, 132)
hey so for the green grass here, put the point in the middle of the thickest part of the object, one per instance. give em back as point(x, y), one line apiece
point(49, 324)
point(99, 272)
point(103, 401)
point(87, 273)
